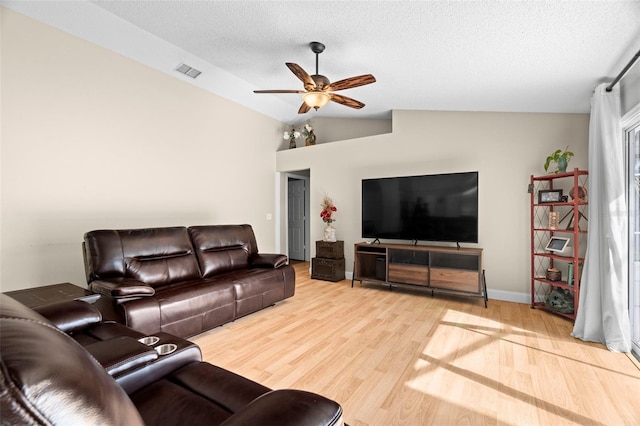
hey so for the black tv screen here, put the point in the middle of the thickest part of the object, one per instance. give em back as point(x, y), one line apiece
point(442, 207)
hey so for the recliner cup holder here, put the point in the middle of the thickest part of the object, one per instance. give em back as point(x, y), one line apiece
point(149, 340)
point(166, 348)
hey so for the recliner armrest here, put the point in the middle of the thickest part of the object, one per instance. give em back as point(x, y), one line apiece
point(121, 354)
point(122, 287)
point(70, 316)
point(269, 260)
point(288, 407)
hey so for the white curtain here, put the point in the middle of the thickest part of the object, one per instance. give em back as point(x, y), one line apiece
point(603, 313)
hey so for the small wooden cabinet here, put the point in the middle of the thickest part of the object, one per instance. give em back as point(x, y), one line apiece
point(434, 268)
point(328, 264)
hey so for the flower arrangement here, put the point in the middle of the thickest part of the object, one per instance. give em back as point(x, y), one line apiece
point(307, 130)
point(328, 208)
point(291, 136)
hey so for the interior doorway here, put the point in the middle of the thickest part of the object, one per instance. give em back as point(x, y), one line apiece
point(298, 246)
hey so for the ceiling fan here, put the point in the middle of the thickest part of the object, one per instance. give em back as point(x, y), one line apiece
point(318, 89)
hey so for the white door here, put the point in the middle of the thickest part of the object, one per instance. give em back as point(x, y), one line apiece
point(297, 217)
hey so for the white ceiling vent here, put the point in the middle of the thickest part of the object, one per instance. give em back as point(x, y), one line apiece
point(187, 70)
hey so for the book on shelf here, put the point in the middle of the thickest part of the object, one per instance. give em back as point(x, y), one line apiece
point(570, 272)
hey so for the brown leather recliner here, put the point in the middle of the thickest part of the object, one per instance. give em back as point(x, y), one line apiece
point(118, 348)
point(47, 377)
point(181, 280)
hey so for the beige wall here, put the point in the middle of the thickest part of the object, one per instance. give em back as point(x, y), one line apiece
point(93, 140)
point(337, 129)
point(506, 148)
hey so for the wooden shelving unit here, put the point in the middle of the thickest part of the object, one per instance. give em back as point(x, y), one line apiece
point(562, 296)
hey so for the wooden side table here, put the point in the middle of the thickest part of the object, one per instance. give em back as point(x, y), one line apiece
point(328, 264)
point(49, 294)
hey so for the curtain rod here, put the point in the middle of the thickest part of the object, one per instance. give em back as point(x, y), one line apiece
point(623, 72)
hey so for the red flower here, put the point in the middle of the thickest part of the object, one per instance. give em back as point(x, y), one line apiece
point(327, 210)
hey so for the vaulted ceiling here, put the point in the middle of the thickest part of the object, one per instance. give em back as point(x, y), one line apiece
point(523, 56)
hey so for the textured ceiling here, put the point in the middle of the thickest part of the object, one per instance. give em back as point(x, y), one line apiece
point(523, 56)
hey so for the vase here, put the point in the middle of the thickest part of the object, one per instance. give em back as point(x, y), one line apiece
point(562, 164)
point(329, 233)
point(311, 139)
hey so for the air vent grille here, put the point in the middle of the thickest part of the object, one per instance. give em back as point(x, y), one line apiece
point(187, 70)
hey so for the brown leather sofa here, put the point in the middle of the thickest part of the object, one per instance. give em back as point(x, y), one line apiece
point(183, 280)
point(49, 376)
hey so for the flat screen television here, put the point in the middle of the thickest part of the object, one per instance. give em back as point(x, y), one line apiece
point(439, 207)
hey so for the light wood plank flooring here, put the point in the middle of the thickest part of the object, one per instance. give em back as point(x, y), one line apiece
point(406, 358)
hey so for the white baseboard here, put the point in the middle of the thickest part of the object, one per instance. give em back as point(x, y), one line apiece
point(507, 296)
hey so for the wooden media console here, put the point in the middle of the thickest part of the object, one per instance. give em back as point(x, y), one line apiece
point(449, 269)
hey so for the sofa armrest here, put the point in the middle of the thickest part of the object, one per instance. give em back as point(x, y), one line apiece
point(288, 407)
point(122, 288)
point(121, 354)
point(70, 316)
point(269, 260)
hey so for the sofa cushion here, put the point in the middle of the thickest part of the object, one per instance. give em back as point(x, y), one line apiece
point(189, 390)
point(232, 392)
point(154, 256)
point(190, 307)
point(223, 248)
point(162, 270)
point(258, 288)
point(313, 408)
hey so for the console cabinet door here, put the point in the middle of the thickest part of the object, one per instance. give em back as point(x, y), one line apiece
point(455, 279)
point(409, 274)
point(453, 271)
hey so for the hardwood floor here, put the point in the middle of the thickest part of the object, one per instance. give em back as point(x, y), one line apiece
point(406, 358)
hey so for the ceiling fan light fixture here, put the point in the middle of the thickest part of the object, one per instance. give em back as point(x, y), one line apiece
point(316, 100)
point(318, 90)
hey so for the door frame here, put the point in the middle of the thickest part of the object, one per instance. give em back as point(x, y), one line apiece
point(307, 232)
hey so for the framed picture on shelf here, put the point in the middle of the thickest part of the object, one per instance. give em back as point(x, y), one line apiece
point(553, 220)
point(557, 244)
point(550, 196)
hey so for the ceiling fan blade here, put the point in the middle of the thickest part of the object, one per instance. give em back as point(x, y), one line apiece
point(279, 91)
point(344, 100)
point(309, 84)
point(304, 108)
point(348, 83)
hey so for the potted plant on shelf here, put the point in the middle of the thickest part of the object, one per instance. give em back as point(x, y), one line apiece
point(560, 158)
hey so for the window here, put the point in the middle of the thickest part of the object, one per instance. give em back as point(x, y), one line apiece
point(631, 128)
